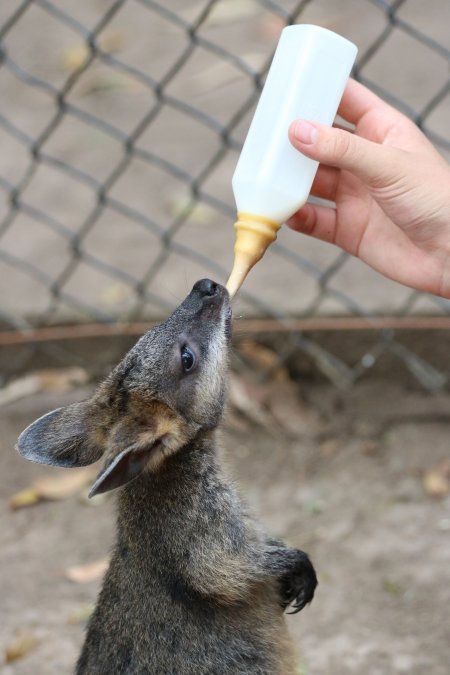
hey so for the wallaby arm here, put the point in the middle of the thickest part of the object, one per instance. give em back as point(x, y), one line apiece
point(226, 552)
point(235, 557)
point(230, 574)
point(190, 517)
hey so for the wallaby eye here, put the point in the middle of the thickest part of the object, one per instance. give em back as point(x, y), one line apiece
point(187, 359)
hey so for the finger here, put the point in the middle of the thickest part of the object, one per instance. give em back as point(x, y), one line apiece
point(316, 221)
point(357, 100)
point(325, 182)
point(372, 162)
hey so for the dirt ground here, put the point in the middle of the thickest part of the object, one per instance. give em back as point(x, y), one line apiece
point(346, 476)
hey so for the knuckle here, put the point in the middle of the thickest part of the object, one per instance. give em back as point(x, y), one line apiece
point(343, 146)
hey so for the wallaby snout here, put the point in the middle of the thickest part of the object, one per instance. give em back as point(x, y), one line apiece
point(208, 288)
point(204, 312)
point(219, 295)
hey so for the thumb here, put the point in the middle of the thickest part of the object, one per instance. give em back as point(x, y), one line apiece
point(375, 164)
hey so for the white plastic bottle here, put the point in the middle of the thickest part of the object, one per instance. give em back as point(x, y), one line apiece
point(272, 180)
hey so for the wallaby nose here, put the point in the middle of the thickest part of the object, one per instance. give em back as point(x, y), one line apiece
point(205, 287)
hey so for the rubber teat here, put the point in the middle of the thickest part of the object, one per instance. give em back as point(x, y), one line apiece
point(253, 236)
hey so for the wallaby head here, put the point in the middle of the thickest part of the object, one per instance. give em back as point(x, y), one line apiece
point(169, 387)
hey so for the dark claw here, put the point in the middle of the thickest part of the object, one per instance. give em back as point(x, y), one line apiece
point(298, 583)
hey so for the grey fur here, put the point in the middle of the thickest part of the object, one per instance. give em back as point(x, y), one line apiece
point(194, 586)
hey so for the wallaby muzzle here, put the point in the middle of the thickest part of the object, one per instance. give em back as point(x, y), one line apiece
point(207, 300)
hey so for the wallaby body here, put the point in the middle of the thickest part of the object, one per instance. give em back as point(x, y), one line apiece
point(194, 586)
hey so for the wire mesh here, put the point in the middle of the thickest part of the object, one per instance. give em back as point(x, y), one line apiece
point(121, 122)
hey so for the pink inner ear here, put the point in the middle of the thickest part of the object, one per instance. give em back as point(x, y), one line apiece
point(126, 466)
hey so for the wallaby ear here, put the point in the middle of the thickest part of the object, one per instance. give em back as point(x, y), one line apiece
point(63, 437)
point(125, 466)
point(134, 447)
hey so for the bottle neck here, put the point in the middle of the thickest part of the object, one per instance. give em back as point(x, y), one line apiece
point(254, 234)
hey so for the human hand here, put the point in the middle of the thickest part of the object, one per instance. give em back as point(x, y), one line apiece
point(391, 190)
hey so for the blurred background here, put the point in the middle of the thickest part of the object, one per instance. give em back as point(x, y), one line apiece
point(121, 122)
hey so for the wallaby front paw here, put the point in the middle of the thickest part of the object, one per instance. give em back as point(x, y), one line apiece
point(298, 583)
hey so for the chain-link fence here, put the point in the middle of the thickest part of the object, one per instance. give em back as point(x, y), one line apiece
point(121, 122)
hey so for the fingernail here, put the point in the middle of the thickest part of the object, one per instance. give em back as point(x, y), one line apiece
point(305, 132)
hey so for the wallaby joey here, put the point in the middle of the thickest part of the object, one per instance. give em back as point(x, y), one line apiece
point(194, 585)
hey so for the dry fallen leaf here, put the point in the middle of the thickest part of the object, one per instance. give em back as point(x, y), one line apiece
point(61, 380)
point(65, 484)
point(55, 486)
point(20, 388)
point(76, 57)
point(82, 574)
point(58, 380)
point(436, 481)
point(26, 497)
point(20, 646)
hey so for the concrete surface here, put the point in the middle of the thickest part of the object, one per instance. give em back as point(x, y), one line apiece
point(48, 48)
